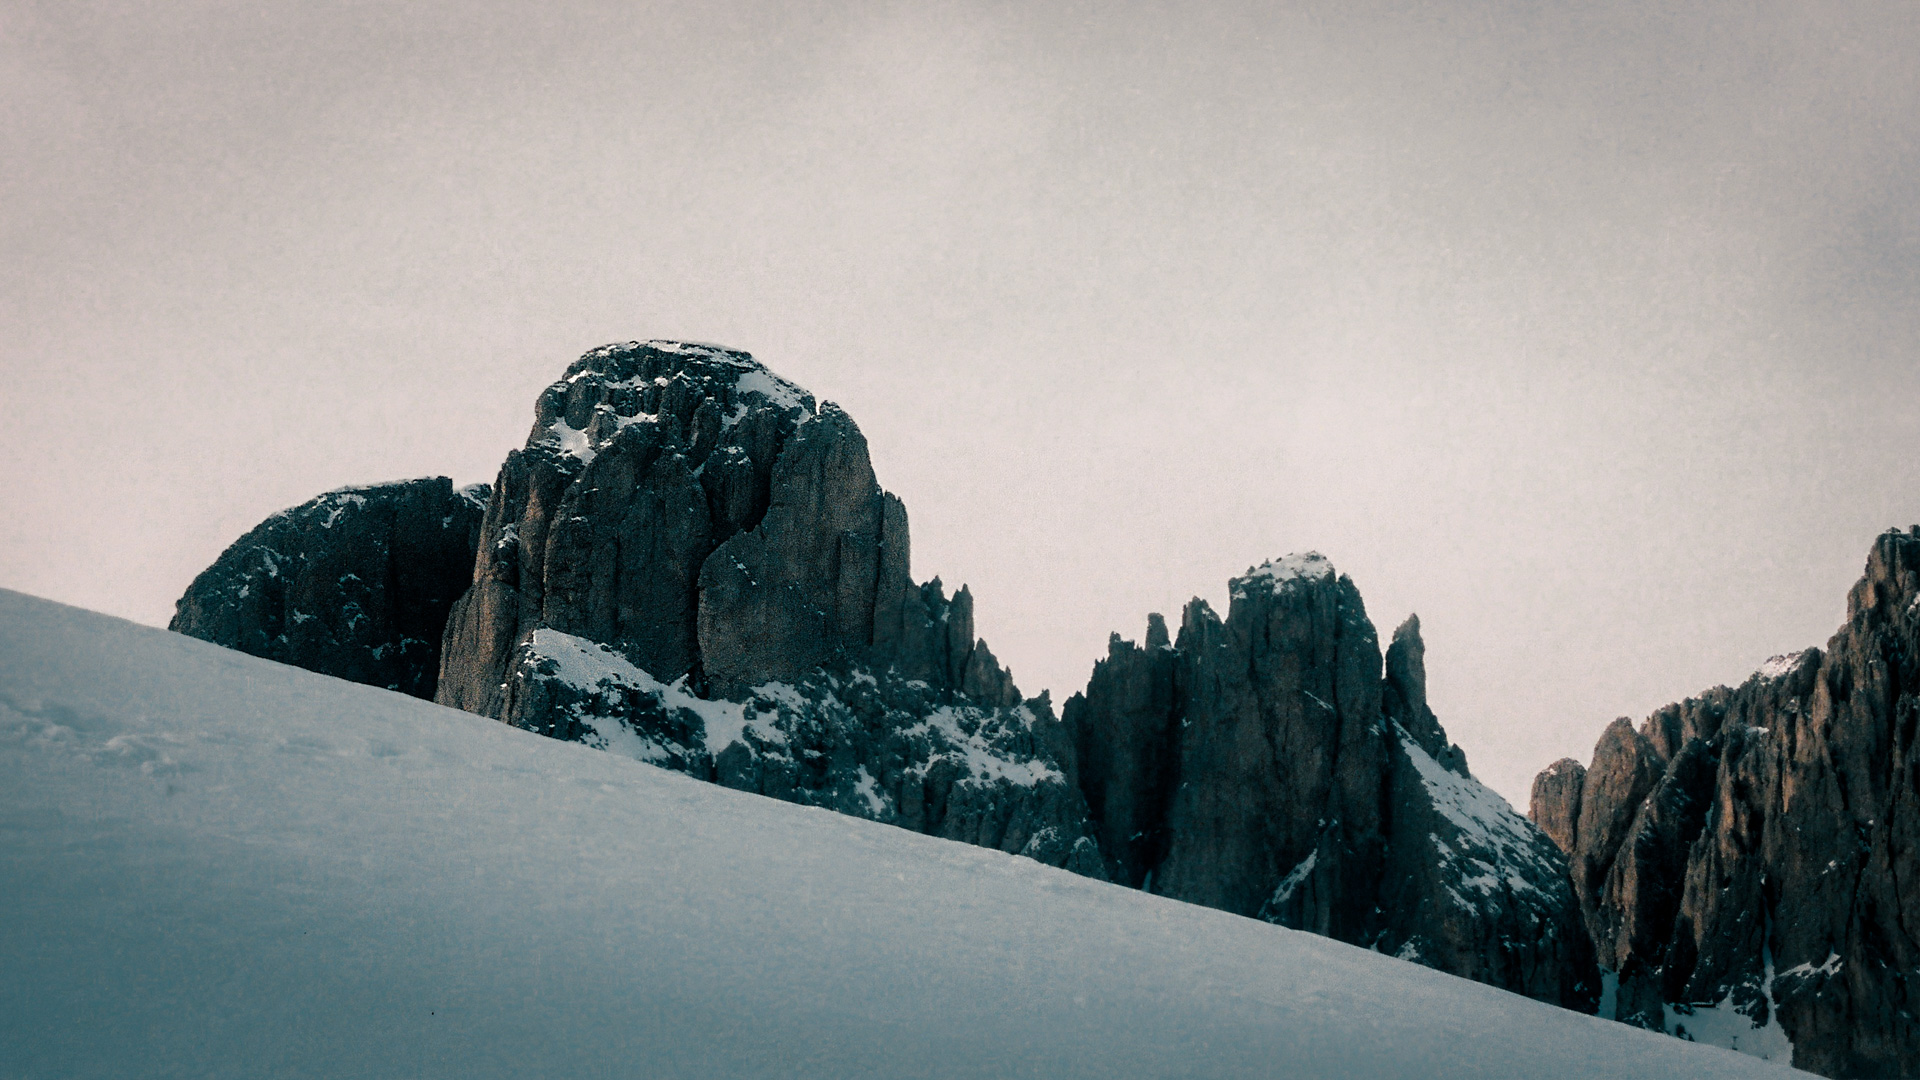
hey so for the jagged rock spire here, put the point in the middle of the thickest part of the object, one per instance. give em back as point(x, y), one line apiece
point(1266, 764)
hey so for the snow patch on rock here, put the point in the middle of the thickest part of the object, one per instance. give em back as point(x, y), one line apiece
point(1486, 824)
point(1784, 664)
point(966, 734)
point(1295, 878)
point(1275, 575)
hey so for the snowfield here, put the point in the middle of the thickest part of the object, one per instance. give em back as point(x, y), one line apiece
point(212, 865)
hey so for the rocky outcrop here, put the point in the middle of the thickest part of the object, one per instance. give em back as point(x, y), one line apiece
point(1404, 697)
point(703, 516)
point(1746, 859)
point(356, 583)
point(692, 562)
point(1126, 754)
point(874, 746)
point(1272, 765)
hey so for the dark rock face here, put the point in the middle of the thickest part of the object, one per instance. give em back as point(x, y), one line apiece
point(1745, 860)
point(692, 563)
point(1269, 764)
point(1125, 750)
point(356, 583)
point(1282, 754)
point(1404, 697)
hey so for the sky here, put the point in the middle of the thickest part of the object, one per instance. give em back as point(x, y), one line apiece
point(1590, 333)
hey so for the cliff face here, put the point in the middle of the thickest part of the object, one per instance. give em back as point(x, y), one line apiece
point(1268, 764)
point(1746, 860)
point(697, 512)
point(355, 583)
point(692, 562)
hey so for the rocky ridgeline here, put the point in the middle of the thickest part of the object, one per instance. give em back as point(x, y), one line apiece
point(1269, 764)
point(356, 583)
point(1746, 861)
point(690, 562)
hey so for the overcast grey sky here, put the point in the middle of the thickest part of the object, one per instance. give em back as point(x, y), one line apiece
point(1589, 332)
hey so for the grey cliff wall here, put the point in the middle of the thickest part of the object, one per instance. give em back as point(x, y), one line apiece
point(356, 583)
point(1753, 850)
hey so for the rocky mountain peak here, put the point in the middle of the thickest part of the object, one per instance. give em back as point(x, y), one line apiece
point(1286, 572)
point(656, 381)
point(1743, 857)
point(1405, 697)
point(691, 561)
point(1157, 632)
point(706, 517)
point(1268, 764)
point(1555, 805)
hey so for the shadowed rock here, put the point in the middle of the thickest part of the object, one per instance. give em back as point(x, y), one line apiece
point(1263, 764)
point(355, 583)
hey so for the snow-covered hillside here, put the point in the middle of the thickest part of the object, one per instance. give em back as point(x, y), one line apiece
point(213, 865)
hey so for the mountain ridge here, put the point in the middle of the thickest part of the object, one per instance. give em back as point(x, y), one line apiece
point(683, 527)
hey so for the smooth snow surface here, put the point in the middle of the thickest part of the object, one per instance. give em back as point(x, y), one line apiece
point(213, 865)
point(571, 441)
point(758, 380)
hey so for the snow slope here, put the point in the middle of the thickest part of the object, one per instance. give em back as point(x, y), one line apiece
point(212, 865)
